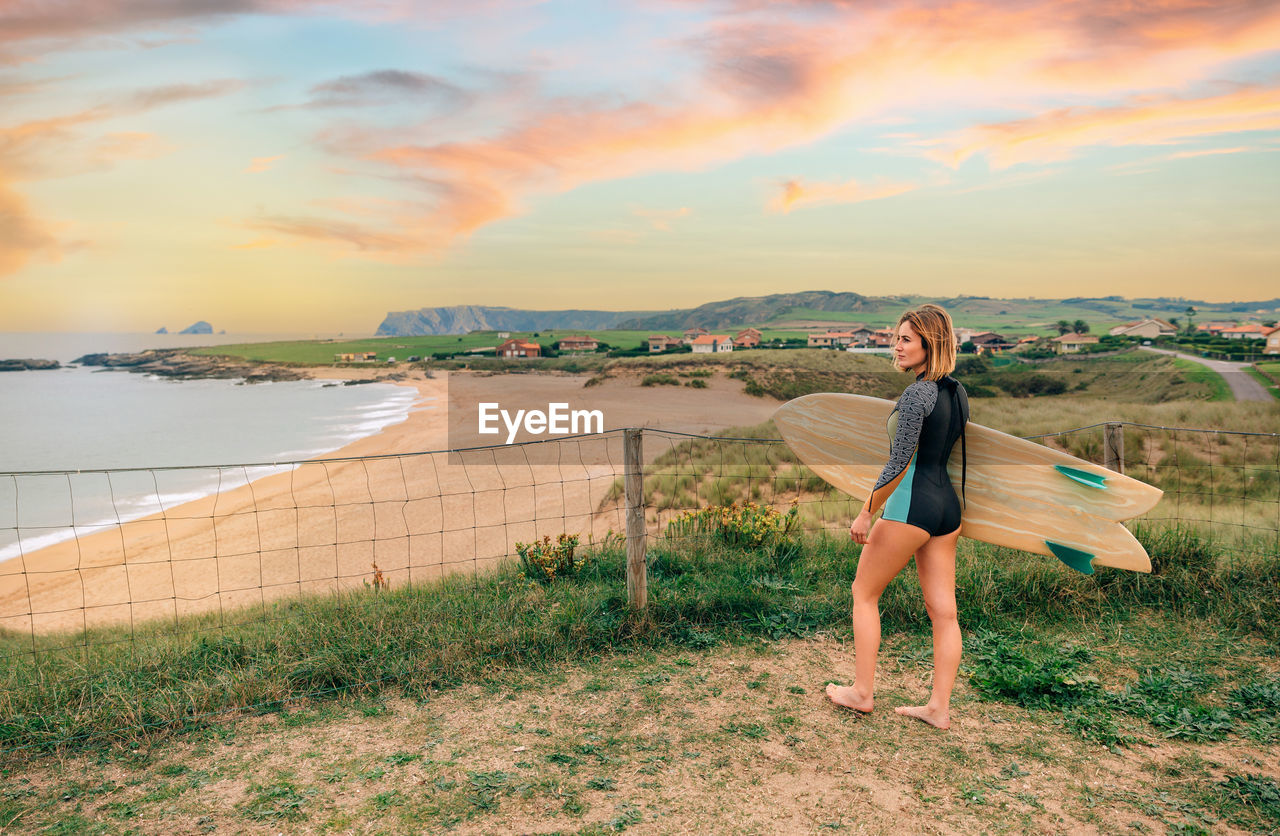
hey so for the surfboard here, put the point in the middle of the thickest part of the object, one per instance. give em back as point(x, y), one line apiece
point(1018, 493)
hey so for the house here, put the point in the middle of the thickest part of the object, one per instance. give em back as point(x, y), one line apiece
point(578, 344)
point(1248, 331)
point(1149, 327)
point(747, 338)
point(1273, 341)
point(504, 335)
point(1071, 343)
point(661, 342)
point(712, 344)
point(693, 333)
point(964, 335)
point(842, 338)
point(1213, 328)
point(519, 348)
point(344, 358)
point(882, 338)
point(821, 341)
point(990, 341)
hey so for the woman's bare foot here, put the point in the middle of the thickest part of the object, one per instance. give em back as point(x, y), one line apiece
point(849, 697)
point(939, 717)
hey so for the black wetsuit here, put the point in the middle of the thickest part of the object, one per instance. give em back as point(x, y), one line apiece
point(923, 427)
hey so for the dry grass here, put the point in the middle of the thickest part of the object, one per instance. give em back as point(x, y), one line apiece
point(732, 740)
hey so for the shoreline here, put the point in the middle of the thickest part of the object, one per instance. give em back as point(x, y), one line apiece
point(322, 525)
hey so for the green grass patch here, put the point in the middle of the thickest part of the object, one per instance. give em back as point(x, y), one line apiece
point(702, 592)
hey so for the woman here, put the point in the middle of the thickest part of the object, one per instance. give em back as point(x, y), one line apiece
point(921, 513)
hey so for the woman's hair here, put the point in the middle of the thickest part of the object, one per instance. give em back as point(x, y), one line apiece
point(933, 325)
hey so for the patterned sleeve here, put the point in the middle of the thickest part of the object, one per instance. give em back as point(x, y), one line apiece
point(913, 405)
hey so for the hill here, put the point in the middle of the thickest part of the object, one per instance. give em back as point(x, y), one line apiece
point(817, 308)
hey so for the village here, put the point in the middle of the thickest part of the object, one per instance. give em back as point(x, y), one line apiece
point(1074, 338)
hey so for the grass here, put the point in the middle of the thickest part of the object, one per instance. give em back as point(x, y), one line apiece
point(733, 736)
point(1200, 374)
point(700, 593)
point(1267, 380)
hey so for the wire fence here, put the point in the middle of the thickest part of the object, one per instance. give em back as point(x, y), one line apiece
point(135, 556)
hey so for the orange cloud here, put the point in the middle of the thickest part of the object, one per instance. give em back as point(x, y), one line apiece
point(261, 164)
point(772, 82)
point(1057, 134)
point(795, 193)
point(55, 147)
point(661, 219)
point(21, 235)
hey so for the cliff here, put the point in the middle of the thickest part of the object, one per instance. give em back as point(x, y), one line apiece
point(461, 319)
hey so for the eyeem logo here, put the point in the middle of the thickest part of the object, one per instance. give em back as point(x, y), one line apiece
point(536, 422)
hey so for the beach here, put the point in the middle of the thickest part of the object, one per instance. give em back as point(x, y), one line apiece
point(396, 499)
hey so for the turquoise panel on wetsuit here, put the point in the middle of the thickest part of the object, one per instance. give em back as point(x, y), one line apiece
point(925, 424)
point(898, 505)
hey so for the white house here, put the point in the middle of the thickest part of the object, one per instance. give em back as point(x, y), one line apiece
point(712, 344)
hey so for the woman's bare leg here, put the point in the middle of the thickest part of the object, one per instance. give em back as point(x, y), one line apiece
point(889, 547)
point(936, 565)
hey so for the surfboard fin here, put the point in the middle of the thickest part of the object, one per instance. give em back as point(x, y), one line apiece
point(1084, 477)
point(1079, 560)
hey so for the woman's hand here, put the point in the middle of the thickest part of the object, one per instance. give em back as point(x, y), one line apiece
point(861, 527)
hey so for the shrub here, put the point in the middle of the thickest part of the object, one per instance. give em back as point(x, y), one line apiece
point(544, 561)
point(748, 524)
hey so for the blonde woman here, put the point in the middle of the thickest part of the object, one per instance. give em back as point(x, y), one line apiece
point(921, 513)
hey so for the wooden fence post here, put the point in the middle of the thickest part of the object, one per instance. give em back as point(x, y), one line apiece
point(1113, 446)
point(633, 482)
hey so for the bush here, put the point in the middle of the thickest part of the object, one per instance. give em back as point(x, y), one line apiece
point(544, 561)
point(747, 525)
point(1024, 386)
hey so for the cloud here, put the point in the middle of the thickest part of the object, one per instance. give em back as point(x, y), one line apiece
point(794, 193)
point(1148, 120)
point(360, 237)
point(22, 236)
point(130, 145)
point(661, 219)
point(1205, 152)
point(152, 97)
point(56, 147)
point(384, 87)
point(781, 75)
point(261, 164)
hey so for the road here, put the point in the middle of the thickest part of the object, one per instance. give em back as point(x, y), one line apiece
point(1243, 385)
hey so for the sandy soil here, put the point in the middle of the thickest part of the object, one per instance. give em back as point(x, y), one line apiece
point(400, 502)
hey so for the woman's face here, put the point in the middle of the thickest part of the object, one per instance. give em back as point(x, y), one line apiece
point(909, 350)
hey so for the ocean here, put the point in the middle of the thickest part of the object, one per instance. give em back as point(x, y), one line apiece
point(78, 419)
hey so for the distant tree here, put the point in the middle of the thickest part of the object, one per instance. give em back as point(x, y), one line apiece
point(967, 347)
point(1063, 326)
point(1190, 312)
point(1079, 327)
point(1173, 320)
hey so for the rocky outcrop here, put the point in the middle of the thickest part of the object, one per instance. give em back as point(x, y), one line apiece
point(162, 330)
point(28, 365)
point(177, 364)
point(200, 327)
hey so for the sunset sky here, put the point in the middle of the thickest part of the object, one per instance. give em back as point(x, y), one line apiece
point(296, 166)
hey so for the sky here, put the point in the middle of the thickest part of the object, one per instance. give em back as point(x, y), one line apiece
point(309, 165)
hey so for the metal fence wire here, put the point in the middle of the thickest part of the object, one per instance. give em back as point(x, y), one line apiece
point(104, 557)
point(120, 548)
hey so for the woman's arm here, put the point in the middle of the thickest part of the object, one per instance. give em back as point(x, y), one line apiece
point(913, 405)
